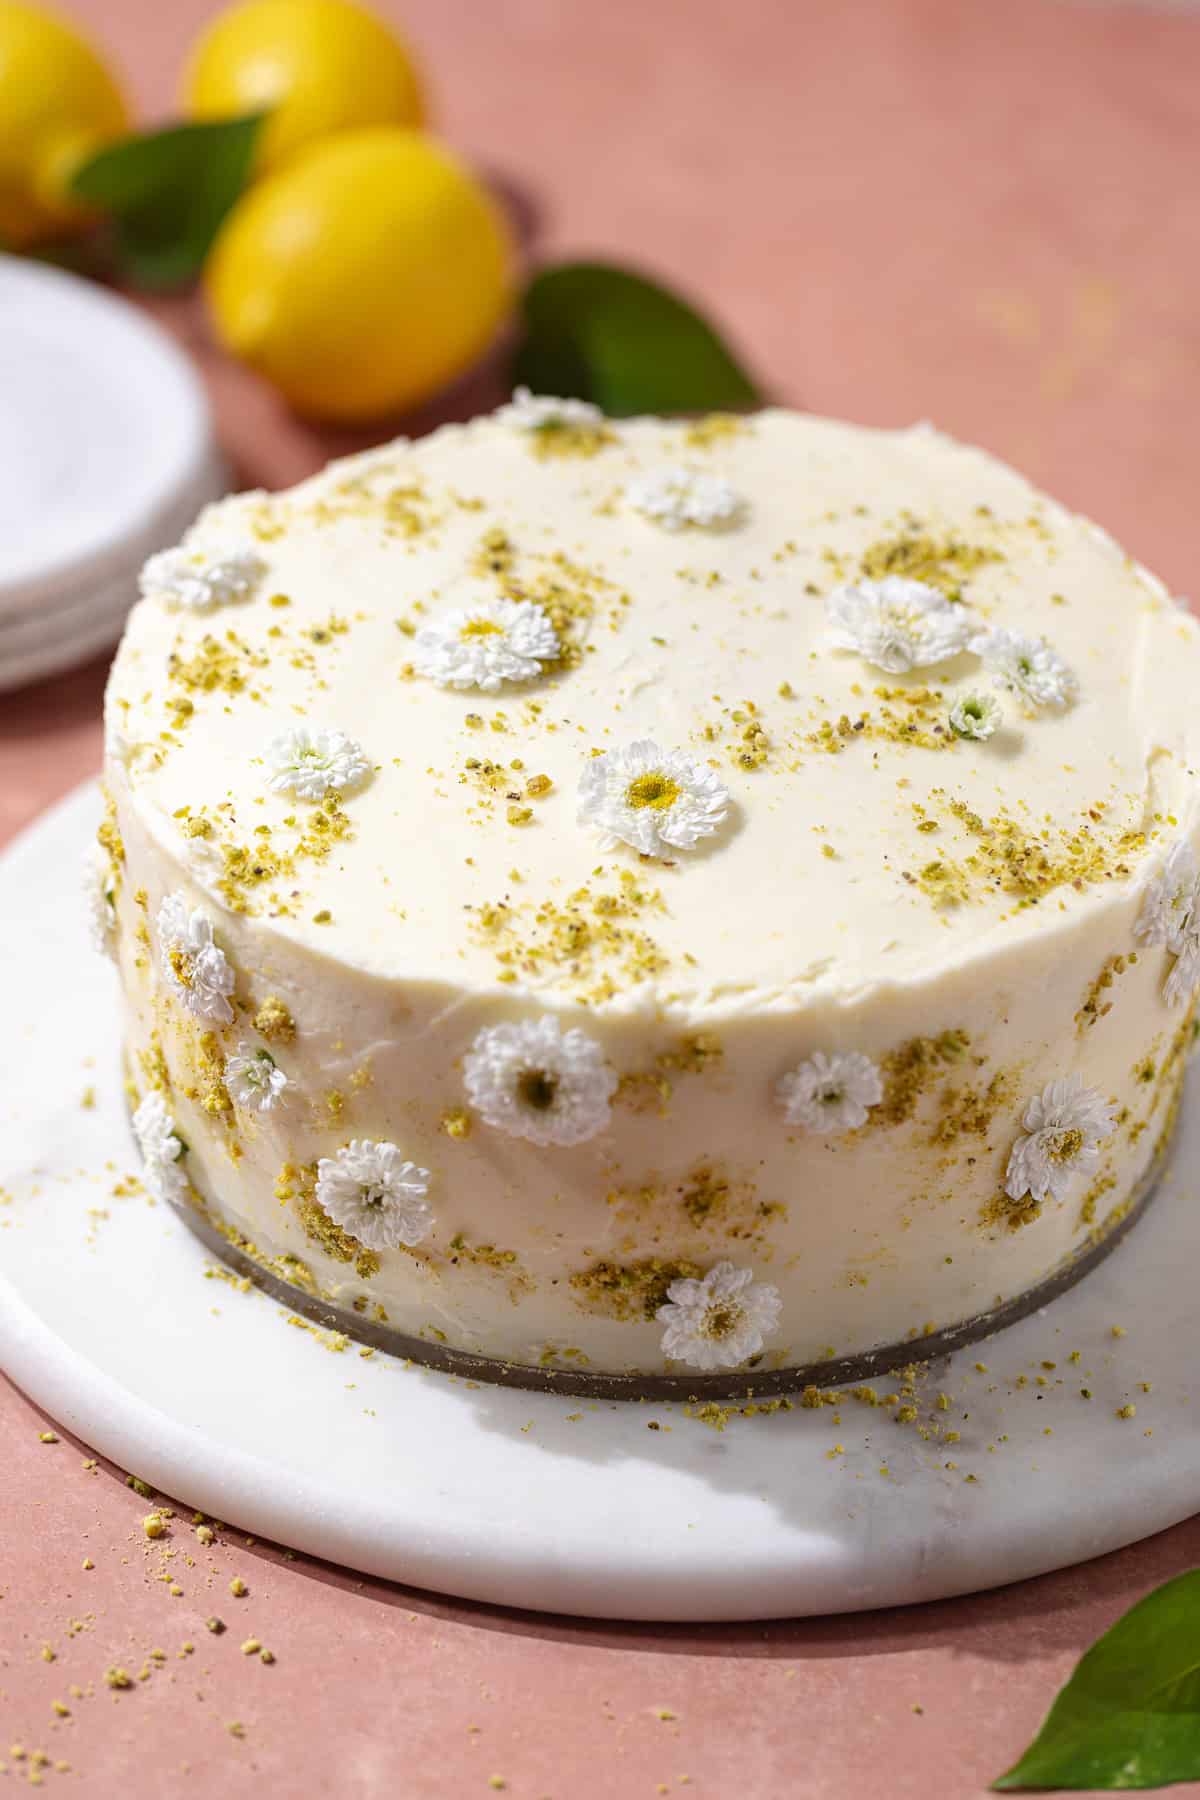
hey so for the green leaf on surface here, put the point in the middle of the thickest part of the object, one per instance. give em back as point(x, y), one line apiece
point(592, 331)
point(1129, 1717)
point(167, 192)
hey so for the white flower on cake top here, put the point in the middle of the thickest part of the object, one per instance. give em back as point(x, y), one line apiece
point(161, 1149)
point(197, 972)
point(976, 716)
point(487, 644)
point(654, 800)
point(254, 1079)
point(311, 764)
point(1027, 667)
point(99, 891)
point(1065, 1125)
point(1170, 916)
point(719, 1321)
point(896, 624)
point(830, 1094)
point(197, 580)
point(536, 1081)
point(371, 1191)
point(527, 411)
point(677, 498)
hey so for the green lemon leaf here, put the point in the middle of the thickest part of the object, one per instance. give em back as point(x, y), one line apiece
point(596, 332)
point(1129, 1717)
point(166, 193)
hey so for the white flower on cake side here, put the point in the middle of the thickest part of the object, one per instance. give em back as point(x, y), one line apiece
point(197, 972)
point(976, 716)
point(677, 498)
point(655, 800)
point(197, 580)
point(486, 644)
point(375, 1194)
point(527, 411)
point(719, 1321)
point(1170, 916)
point(1027, 667)
point(161, 1149)
point(1064, 1127)
point(896, 624)
point(536, 1081)
point(254, 1079)
point(311, 764)
point(99, 893)
point(830, 1094)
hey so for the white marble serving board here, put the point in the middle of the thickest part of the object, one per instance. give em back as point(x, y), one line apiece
point(112, 1319)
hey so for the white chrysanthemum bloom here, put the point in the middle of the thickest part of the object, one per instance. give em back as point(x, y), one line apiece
point(830, 1093)
point(676, 498)
point(197, 972)
point(197, 580)
point(976, 716)
point(535, 412)
point(1170, 916)
point(161, 1149)
point(311, 764)
point(1064, 1126)
point(254, 1079)
point(372, 1192)
point(896, 624)
point(720, 1321)
point(656, 800)
point(1027, 667)
point(539, 1082)
point(99, 893)
point(486, 644)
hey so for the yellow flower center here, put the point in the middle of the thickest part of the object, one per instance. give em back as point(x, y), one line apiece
point(477, 628)
point(537, 1088)
point(720, 1321)
point(1064, 1146)
point(181, 966)
point(652, 789)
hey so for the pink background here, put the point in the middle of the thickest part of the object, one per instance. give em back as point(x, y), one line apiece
point(981, 215)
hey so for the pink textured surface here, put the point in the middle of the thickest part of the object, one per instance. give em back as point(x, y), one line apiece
point(931, 209)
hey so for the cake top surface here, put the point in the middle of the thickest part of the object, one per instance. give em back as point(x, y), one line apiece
point(741, 595)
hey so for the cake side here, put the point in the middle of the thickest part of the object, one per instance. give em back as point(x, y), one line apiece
point(803, 1044)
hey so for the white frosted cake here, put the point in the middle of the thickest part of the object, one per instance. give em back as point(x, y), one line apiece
point(654, 900)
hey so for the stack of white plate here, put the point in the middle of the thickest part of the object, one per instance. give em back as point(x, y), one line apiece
point(106, 454)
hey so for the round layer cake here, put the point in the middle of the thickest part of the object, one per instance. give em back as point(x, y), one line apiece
point(654, 900)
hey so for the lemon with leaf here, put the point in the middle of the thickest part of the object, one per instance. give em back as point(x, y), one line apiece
point(58, 103)
point(318, 67)
point(364, 276)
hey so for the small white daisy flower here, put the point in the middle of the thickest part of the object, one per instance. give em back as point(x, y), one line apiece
point(676, 498)
point(486, 644)
point(976, 716)
point(1027, 667)
point(196, 971)
point(720, 1321)
point(161, 1149)
point(311, 764)
point(197, 580)
point(1064, 1125)
point(896, 624)
point(373, 1193)
point(536, 1081)
point(99, 892)
point(656, 800)
point(1170, 899)
point(254, 1079)
point(537, 412)
point(830, 1094)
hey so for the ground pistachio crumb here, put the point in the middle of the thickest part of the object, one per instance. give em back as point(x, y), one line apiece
point(47, 1437)
point(118, 1678)
point(251, 1646)
point(214, 1625)
point(238, 1588)
point(154, 1525)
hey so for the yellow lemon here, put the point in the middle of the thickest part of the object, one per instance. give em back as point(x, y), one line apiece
point(364, 276)
point(58, 103)
point(322, 66)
